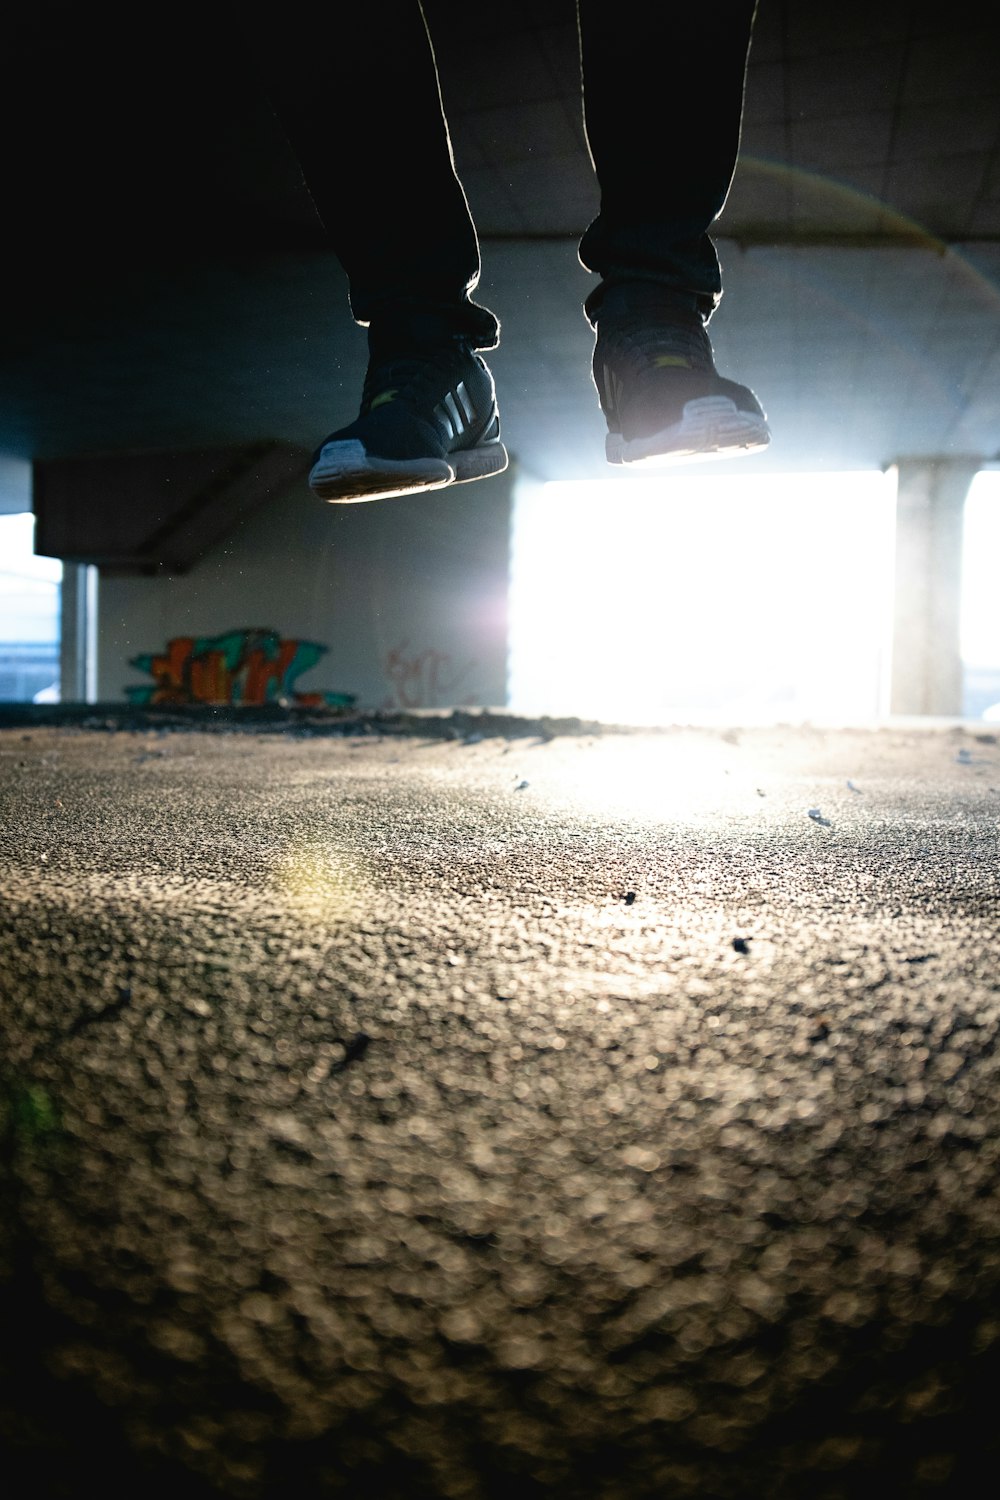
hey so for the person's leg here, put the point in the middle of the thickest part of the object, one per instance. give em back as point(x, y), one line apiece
point(663, 107)
point(356, 92)
point(663, 94)
point(355, 89)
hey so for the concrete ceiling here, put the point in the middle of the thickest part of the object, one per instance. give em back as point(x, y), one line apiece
point(860, 249)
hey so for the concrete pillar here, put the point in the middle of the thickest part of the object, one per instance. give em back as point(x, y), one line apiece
point(926, 650)
point(78, 634)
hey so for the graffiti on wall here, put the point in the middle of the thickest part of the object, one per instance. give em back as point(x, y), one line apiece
point(424, 679)
point(251, 667)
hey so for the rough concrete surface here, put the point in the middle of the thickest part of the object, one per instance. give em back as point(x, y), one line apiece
point(486, 1114)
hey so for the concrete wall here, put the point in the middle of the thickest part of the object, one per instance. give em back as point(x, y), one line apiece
point(408, 594)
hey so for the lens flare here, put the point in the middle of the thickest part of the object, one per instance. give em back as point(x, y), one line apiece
point(320, 881)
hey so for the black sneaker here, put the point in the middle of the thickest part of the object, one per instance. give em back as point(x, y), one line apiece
point(428, 419)
point(663, 398)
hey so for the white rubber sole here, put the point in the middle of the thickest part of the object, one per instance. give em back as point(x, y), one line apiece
point(344, 474)
point(711, 427)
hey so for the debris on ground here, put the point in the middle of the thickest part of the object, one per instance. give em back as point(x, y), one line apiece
point(818, 817)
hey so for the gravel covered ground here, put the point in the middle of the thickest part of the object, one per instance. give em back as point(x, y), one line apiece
point(479, 1114)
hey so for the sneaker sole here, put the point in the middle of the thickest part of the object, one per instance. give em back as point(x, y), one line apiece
point(344, 474)
point(711, 427)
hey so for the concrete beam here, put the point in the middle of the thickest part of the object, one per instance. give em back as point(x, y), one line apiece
point(926, 649)
point(153, 512)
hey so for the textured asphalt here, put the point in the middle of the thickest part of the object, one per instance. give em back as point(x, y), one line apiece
point(490, 1114)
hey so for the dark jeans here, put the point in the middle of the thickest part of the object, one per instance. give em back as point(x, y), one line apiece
point(102, 156)
point(358, 97)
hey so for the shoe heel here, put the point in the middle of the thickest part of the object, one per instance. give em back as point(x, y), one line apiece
point(479, 462)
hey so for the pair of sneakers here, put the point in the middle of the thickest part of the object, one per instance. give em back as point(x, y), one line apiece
point(429, 414)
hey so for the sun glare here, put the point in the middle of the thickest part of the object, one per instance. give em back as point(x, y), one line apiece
point(740, 599)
